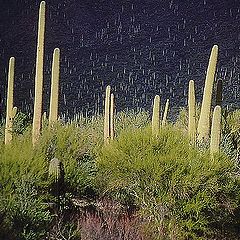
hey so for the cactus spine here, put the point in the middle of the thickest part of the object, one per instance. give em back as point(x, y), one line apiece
point(164, 121)
point(215, 130)
point(219, 92)
point(9, 113)
point(112, 117)
point(191, 112)
point(204, 120)
point(37, 116)
point(53, 113)
point(156, 116)
point(107, 116)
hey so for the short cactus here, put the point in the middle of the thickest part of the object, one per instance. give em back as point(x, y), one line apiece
point(215, 130)
point(204, 120)
point(14, 112)
point(37, 115)
point(107, 116)
point(53, 113)
point(9, 113)
point(156, 116)
point(56, 176)
point(191, 112)
point(164, 120)
point(112, 117)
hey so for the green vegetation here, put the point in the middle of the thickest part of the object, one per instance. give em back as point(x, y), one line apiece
point(170, 189)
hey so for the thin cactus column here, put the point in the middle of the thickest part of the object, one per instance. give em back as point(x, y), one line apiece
point(191, 112)
point(9, 113)
point(156, 116)
point(215, 130)
point(164, 121)
point(107, 116)
point(37, 115)
point(112, 117)
point(53, 114)
point(204, 120)
point(219, 92)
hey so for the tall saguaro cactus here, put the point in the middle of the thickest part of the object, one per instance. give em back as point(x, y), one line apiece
point(53, 114)
point(191, 112)
point(164, 121)
point(112, 117)
point(37, 116)
point(107, 116)
point(204, 120)
point(9, 114)
point(156, 116)
point(215, 130)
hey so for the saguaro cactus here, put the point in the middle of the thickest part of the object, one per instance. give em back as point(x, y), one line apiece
point(156, 116)
point(219, 92)
point(164, 121)
point(191, 112)
point(37, 115)
point(53, 114)
point(112, 117)
point(215, 130)
point(107, 116)
point(9, 113)
point(204, 120)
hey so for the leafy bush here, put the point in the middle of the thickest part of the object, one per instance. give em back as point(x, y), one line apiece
point(186, 193)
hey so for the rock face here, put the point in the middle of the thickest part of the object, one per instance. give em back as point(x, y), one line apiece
point(140, 49)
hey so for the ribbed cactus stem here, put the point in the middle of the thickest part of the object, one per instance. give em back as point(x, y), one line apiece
point(107, 116)
point(191, 112)
point(215, 130)
point(14, 112)
point(156, 116)
point(53, 113)
point(164, 121)
point(219, 92)
point(112, 117)
point(204, 120)
point(37, 115)
point(9, 112)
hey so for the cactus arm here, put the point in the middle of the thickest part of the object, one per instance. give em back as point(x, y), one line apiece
point(191, 112)
point(164, 121)
point(107, 116)
point(156, 116)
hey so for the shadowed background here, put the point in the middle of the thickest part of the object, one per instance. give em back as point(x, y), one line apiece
point(141, 48)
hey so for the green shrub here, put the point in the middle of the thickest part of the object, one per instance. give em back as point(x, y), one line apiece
point(181, 189)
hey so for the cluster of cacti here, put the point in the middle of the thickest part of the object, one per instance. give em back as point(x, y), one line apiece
point(201, 132)
point(108, 116)
point(203, 129)
point(156, 116)
point(37, 115)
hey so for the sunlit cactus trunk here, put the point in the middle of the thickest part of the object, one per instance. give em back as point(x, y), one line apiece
point(156, 116)
point(9, 113)
point(164, 121)
point(219, 92)
point(191, 112)
point(112, 117)
point(37, 115)
point(215, 130)
point(204, 120)
point(107, 116)
point(53, 113)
